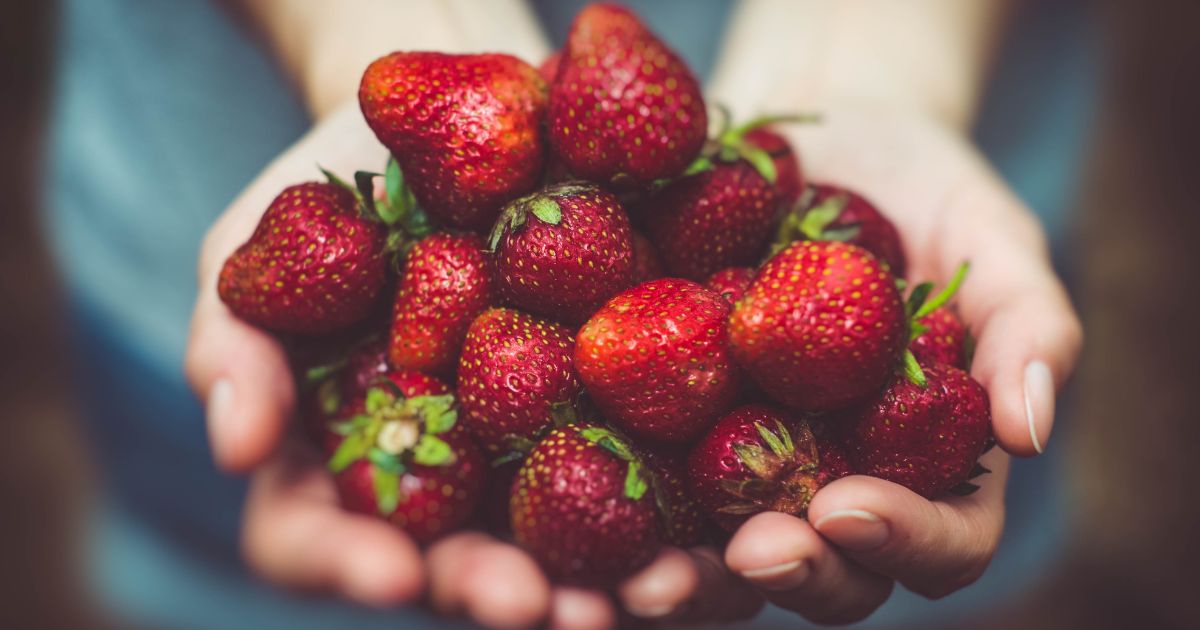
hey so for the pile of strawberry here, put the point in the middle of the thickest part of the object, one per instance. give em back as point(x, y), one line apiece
point(572, 317)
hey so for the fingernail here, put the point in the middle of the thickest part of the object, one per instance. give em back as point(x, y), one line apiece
point(1039, 403)
point(780, 577)
point(856, 530)
point(650, 612)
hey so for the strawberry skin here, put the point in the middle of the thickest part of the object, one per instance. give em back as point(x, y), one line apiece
point(945, 341)
point(858, 222)
point(513, 370)
point(646, 264)
point(465, 129)
point(624, 109)
point(735, 472)
point(548, 69)
point(821, 327)
point(789, 178)
point(723, 217)
point(685, 525)
point(563, 251)
point(576, 510)
point(927, 439)
point(731, 283)
point(655, 360)
point(448, 279)
point(313, 264)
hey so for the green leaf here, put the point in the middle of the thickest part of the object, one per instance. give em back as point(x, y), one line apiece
point(385, 460)
point(842, 234)
point(432, 451)
point(364, 182)
point(912, 370)
point(546, 209)
point(760, 160)
point(319, 373)
point(755, 458)
point(944, 296)
point(917, 299)
point(818, 218)
point(393, 184)
point(438, 411)
point(772, 440)
point(635, 484)
point(387, 490)
point(329, 397)
point(506, 458)
point(786, 436)
point(698, 165)
point(337, 181)
point(353, 448)
point(377, 399)
point(608, 440)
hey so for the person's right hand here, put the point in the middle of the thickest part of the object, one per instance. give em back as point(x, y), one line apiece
point(296, 535)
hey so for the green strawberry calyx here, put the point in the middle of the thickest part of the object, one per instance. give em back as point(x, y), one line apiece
point(543, 205)
point(516, 447)
point(639, 479)
point(398, 209)
point(812, 222)
point(919, 305)
point(783, 466)
point(395, 433)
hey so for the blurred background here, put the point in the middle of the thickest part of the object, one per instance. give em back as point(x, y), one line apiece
point(1114, 165)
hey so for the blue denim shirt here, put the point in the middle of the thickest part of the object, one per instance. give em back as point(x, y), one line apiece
point(165, 110)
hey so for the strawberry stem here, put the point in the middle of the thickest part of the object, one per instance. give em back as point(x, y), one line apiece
point(944, 296)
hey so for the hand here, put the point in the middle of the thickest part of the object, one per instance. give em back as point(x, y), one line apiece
point(863, 533)
point(294, 532)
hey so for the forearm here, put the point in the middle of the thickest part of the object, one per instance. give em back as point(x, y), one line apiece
point(928, 56)
point(324, 46)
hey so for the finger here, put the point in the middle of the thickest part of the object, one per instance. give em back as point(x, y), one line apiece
point(931, 547)
point(295, 534)
point(242, 375)
point(580, 609)
point(494, 583)
point(1028, 335)
point(659, 589)
point(798, 570)
point(722, 596)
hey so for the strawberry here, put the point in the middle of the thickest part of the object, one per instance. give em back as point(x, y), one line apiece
point(831, 452)
point(655, 360)
point(315, 263)
point(465, 129)
point(328, 387)
point(548, 69)
point(514, 371)
point(731, 282)
point(624, 109)
point(926, 438)
point(789, 178)
point(447, 280)
point(821, 327)
point(756, 458)
point(944, 341)
point(646, 265)
point(685, 521)
point(563, 251)
point(584, 507)
point(402, 458)
point(837, 214)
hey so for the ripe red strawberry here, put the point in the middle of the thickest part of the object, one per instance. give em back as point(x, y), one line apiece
point(465, 129)
point(583, 505)
point(624, 110)
point(447, 280)
point(731, 282)
point(837, 214)
point(563, 251)
point(789, 178)
point(655, 360)
point(684, 521)
point(548, 69)
point(330, 386)
point(756, 458)
point(403, 458)
point(927, 439)
point(821, 327)
point(831, 452)
point(315, 263)
point(944, 341)
point(646, 265)
point(515, 368)
point(342, 396)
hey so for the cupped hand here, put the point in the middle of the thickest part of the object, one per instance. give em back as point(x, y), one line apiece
point(863, 534)
point(294, 532)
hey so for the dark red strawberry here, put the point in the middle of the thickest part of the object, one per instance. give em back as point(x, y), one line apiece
point(684, 521)
point(757, 458)
point(943, 341)
point(789, 179)
point(646, 265)
point(465, 129)
point(447, 280)
point(821, 327)
point(342, 396)
point(328, 387)
point(315, 263)
point(655, 360)
point(926, 438)
point(402, 458)
point(837, 214)
point(831, 452)
point(563, 251)
point(731, 282)
point(584, 506)
point(515, 368)
point(624, 109)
